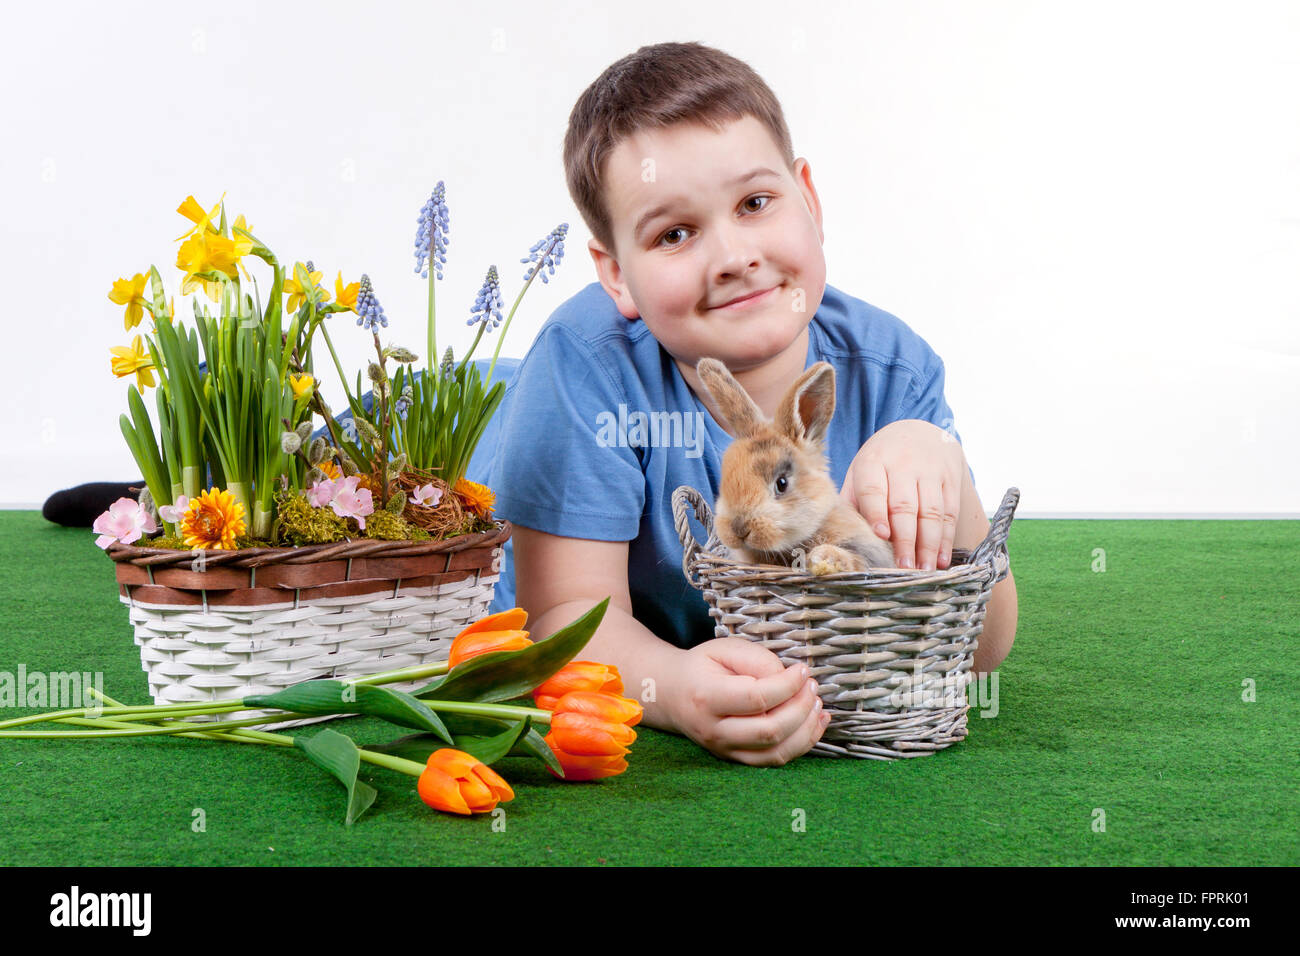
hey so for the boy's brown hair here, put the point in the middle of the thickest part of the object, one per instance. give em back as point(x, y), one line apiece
point(655, 87)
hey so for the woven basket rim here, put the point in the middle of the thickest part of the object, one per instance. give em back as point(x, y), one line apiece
point(309, 553)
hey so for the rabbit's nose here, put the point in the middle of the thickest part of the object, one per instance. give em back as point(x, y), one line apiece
point(740, 527)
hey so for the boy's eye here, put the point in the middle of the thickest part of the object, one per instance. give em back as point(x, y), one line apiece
point(766, 199)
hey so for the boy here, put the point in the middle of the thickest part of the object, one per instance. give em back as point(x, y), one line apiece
point(707, 241)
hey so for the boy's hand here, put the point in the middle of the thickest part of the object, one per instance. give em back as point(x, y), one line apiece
point(739, 702)
point(906, 480)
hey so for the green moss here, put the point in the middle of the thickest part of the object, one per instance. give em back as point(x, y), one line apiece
point(164, 541)
point(389, 527)
point(298, 523)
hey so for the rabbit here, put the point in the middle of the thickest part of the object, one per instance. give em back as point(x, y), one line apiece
point(777, 500)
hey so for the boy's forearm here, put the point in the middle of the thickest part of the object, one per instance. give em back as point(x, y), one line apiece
point(645, 662)
point(1000, 618)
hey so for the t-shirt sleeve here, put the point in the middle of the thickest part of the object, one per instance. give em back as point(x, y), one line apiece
point(552, 472)
point(926, 401)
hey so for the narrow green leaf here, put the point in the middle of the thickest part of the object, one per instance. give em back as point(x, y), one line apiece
point(318, 697)
point(338, 754)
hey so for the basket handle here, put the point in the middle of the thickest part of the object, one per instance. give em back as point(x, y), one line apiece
point(683, 499)
point(994, 545)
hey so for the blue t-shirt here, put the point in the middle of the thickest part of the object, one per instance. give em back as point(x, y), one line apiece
point(558, 456)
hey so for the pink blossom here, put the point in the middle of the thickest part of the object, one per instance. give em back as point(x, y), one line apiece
point(321, 493)
point(174, 512)
point(427, 495)
point(348, 502)
point(124, 521)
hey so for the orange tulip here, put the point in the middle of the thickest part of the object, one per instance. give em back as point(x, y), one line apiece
point(578, 675)
point(584, 768)
point(611, 708)
point(511, 620)
point(485, 642)
point(457, 782)
point(585, 736)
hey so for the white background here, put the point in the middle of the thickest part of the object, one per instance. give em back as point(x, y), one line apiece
point(1090, 210)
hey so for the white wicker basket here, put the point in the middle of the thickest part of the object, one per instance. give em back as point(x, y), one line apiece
point(318, 612)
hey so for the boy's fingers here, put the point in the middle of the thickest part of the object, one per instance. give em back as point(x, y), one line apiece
point(903, 506)
point(871, 494)
point(784, 731)
point(951, 507)
point(930, 524)
point(761, 681)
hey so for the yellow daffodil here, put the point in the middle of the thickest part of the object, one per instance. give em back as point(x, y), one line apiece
point(134, 359)
point(206, 253)
point(346, 295)
point(130, 293)
point(298, 295)
point(192, 211)
point(301, 385)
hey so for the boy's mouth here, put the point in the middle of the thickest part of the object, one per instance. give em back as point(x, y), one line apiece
point(746, 301)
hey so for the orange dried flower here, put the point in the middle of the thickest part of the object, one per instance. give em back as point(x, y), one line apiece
point(457, 782)
point(213, 520)
point(475, 497)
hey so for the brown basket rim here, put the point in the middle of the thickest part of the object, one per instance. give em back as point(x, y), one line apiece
point(308, 553)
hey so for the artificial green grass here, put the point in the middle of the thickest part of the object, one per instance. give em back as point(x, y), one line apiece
point(1122, 694)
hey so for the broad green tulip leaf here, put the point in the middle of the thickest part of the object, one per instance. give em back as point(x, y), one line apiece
point(338, 754)
point(318, 697)
point(502, 675)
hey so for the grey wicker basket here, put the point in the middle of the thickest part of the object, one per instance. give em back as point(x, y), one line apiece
point(891, 650)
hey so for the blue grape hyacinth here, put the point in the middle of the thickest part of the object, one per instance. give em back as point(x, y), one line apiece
point(554, 243)
point(370, 312)
point(433, 231)
point(487, 304)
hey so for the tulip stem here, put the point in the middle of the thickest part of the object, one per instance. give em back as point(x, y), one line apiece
point(231, 732)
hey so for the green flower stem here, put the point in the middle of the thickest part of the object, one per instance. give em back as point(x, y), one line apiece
point(506, 711)
point(158, 710)
point(229, 732)
point(337, 364)
point(506, 326)
point(432, 357)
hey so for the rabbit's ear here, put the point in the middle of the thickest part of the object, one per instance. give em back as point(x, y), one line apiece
point(742, 416)
point(805, 412)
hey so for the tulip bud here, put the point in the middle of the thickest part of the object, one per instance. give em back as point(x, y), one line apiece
point(457, 782)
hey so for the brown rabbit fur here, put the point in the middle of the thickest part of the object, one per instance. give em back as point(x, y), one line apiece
point(764, 520)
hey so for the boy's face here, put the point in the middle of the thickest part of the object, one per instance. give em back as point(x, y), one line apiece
point(709, 239)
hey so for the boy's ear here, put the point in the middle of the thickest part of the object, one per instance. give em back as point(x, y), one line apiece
point(742, 416)
point(611, 278)
point(805, 412)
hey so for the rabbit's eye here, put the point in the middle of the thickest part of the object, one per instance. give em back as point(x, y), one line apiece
point(781, 484)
